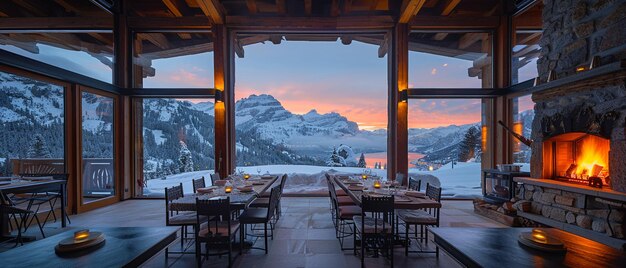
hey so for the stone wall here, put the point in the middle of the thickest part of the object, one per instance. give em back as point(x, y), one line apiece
point(574, 31)
point(572, 208)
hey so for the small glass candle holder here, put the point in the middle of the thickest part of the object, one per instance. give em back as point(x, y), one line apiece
point(377, 184)
point(81, 235)
point(228, 187)
point(539, 236)
point(246, 176)
point(364, 176)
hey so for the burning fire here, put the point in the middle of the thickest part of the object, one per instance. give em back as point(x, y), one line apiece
point(592, 159)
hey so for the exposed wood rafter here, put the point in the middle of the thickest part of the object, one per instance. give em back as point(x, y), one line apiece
point(212, 9)
point(384, 47)
point(308, 7)
point(469, 39)
point(409, 9)
point(440, 36)
point(449, 6)
point(281, 8)
point(252, 8)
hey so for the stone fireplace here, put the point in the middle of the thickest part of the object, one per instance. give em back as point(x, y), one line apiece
point(578, 163)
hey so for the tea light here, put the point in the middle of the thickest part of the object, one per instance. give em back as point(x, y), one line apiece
point(377, 184)
point(228, 189)
point(364, 176)
point(246, 176)
point(539, 236)
point(81, 235)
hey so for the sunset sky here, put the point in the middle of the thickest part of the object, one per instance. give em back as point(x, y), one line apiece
point(326, 76)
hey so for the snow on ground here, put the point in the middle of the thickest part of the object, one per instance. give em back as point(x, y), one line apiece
point(462, 181)
point(158, 136)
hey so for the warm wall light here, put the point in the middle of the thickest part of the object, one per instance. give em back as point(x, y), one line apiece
point(581, 68)
point(219, 96)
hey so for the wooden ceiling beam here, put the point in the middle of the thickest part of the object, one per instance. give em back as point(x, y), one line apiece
point(158, 39)
point(103, 39)
point(469, 39)
point(276, 39)
point(173, 7)
point(440, 36)
point(60, 23)
point(238, 49)
point(191, 23)
point(530, 39)
point(30, 8)
point(212, 9)
point(409, 9)
point(308, 7)
point(68, 6)
point(456, 23)
point(252, 8)
point(449, 6)
point(281, 7)
point(311, 23)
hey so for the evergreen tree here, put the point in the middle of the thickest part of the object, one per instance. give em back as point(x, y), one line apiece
point(362, 163)
point(336, 160)
point(185, 161)
point(469, 147)
point(39, 149)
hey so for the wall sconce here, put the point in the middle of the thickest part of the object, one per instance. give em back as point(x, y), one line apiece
point(581, 69)
point(404, 95)
point(219, 96)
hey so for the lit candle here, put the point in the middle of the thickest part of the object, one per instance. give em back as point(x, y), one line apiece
point(364, 176)
point(377, 184)
point(539, 236)
point(81, 235)
point(246, 176)
point(228, 189)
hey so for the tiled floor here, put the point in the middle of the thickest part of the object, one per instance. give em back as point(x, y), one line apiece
point(304, 236)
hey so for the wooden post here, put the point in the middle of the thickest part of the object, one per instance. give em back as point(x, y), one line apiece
point(501, 105)
point(398, 79)
point(122, 78)
point(224, 108)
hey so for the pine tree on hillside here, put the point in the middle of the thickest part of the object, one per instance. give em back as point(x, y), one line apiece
point(184, 159)
point(38, 148)
point(470, 145)
point(362, 163)
point(336, 160)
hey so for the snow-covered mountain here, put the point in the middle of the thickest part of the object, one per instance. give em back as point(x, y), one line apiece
point(29, 101)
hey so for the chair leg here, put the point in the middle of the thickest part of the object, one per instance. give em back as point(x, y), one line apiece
point(406, 236)
point(354, 238)
point(265, 236)
point(363, 250)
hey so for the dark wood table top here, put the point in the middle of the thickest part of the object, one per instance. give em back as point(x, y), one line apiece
point(498, 247)
point(124, 247)
point(188, 202)
point(402, 202)
point(25, 185)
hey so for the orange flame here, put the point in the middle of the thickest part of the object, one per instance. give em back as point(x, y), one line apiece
point(592, 151)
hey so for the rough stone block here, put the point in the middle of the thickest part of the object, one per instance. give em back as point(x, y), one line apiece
point(528, 195)
point(617, 15)
point(557, 214)
point(584, 29)
point(536, 196)
point(545, 211)
point(614, 36)
point(562, 200)
point(617, 230)
point(580, 11)
point(584, 221)
point(570, 218)
point(529, 187)
point(599, 225)
point(579, 199)
point(547, 198)
point(552, 191)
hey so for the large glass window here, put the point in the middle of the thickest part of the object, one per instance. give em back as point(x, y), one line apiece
point(450, 60)
point(173, 60)
point(178, 137)
point(523, 115)
point(526, 50)
point(445, 144)
point(89, 54)
point(32, 121)
point(98, 146)
point(306, 107)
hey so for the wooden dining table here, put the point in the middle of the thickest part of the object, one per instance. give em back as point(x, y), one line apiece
point(401, 201)
point(238, 199)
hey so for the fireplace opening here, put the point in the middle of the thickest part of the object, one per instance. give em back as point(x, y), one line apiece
point(577, 158)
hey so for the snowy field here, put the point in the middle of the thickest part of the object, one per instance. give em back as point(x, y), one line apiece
point(462, 181)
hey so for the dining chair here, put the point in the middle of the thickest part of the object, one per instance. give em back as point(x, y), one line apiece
point(374, 228)
point(423, 218)
point(260, 215)
point(415, 185)
point(197, 184)
point(12, 211)
point(264, 201)
point(215, 177)
point(176, 218)
point(345, 210)
point(220, 228)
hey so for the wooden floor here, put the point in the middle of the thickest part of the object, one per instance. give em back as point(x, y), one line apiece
point(304, 235)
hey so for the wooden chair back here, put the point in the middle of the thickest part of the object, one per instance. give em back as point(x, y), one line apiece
point(197, 184)
point(415, 185)
point(215, 177)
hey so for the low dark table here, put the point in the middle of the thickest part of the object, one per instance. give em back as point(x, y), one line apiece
point(498, 247)
point(124, 247)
